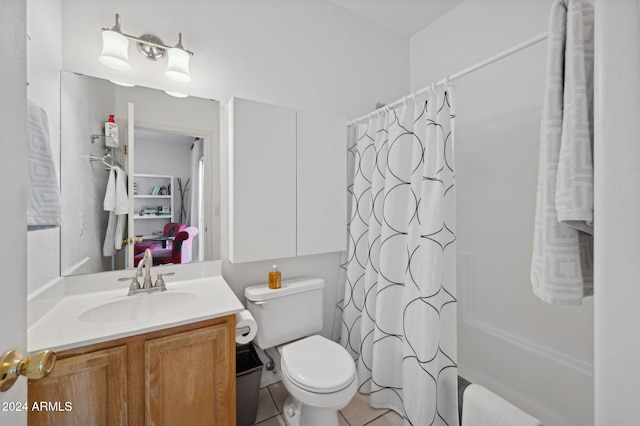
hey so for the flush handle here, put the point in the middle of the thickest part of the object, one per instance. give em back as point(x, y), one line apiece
point(262, 304)
point(34, 367)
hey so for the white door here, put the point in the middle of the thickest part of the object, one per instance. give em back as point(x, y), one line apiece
point(13, 263)
point(13, 254)
point(131, 234)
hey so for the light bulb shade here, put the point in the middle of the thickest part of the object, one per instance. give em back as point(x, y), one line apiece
point(178, 66)
point(115, 50)
point(122, 83)
point(176, 94)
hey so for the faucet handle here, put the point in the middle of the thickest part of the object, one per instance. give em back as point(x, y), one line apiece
point(160, 281)
point(135, 285)
point(166, 274)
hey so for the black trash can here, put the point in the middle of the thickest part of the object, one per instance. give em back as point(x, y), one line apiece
point(248, 375)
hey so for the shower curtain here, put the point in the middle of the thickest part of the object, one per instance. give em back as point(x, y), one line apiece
point(399, 306)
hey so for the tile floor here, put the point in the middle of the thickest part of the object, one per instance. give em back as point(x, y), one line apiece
point(357, 413)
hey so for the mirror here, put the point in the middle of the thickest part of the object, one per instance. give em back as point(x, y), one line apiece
point(168, 149)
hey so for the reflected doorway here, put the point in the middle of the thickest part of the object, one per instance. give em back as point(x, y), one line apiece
point(168, 212)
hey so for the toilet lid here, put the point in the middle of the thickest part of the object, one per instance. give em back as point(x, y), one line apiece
point(318, 364)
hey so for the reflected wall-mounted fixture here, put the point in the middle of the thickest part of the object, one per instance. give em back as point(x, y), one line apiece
point(115, 52)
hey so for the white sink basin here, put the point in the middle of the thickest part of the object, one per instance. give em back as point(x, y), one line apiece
point(94, 316)
point(138, 307)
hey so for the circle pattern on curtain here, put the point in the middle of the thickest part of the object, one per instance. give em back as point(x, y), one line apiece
point(399, 306)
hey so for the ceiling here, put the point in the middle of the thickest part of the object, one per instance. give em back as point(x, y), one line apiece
point(402, 17)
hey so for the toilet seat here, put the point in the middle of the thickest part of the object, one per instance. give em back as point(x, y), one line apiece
point(318, 365)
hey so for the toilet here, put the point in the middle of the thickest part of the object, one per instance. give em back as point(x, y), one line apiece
point(319, 374)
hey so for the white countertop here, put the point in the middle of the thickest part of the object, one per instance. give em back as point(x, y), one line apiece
point(69, 325)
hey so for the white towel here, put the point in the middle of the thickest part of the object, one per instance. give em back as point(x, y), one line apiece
point(482, 407)
point(109, 204)
point(122, 206)
point(43, 204)
point(109, 246)
point(562, 262)
point(116, 202)
point(122, 199)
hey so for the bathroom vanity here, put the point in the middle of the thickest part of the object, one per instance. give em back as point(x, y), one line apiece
point(180, 375)
point(163, 358)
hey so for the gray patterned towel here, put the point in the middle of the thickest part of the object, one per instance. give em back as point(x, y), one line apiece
point(562, 263)
point(43, 203)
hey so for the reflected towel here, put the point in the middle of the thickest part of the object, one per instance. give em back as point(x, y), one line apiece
point(43, 204)
point(484, 408)
point(562, 262)
point(109, 246)
point(122, 206)
point(109, 203)
point(116, 202)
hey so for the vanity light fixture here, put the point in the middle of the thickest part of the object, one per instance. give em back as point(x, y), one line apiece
point(115, 52)
point(178, 65)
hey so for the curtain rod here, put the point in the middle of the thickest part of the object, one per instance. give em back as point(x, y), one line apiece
point(455, 76)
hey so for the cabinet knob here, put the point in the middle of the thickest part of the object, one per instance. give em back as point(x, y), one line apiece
point(34, 367)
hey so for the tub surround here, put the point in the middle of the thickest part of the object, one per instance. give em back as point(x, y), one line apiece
point(73, 312)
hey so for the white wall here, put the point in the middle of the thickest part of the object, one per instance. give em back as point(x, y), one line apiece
point(617, 212)
point(309, 55)
point(85, 104)
point(163, 156)
point(536, 355)
point(44, 61)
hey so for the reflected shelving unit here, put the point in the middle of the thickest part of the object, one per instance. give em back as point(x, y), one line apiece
point(153, 203)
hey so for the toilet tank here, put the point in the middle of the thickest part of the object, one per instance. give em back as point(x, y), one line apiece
point(288, 313)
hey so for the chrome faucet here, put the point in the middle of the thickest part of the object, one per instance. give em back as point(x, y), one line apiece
point(145, 263)
point(144, 270)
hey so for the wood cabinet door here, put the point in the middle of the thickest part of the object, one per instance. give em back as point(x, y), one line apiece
point(190, 378)
point(89, 389)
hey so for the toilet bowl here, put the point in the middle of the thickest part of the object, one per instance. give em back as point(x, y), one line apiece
point(321, 379)
point(319, 374)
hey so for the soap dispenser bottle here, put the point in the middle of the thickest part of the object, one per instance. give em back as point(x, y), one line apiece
point(275, 278)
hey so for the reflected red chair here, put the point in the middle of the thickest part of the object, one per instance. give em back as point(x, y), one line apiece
point(180, 251)
point(170, 230)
